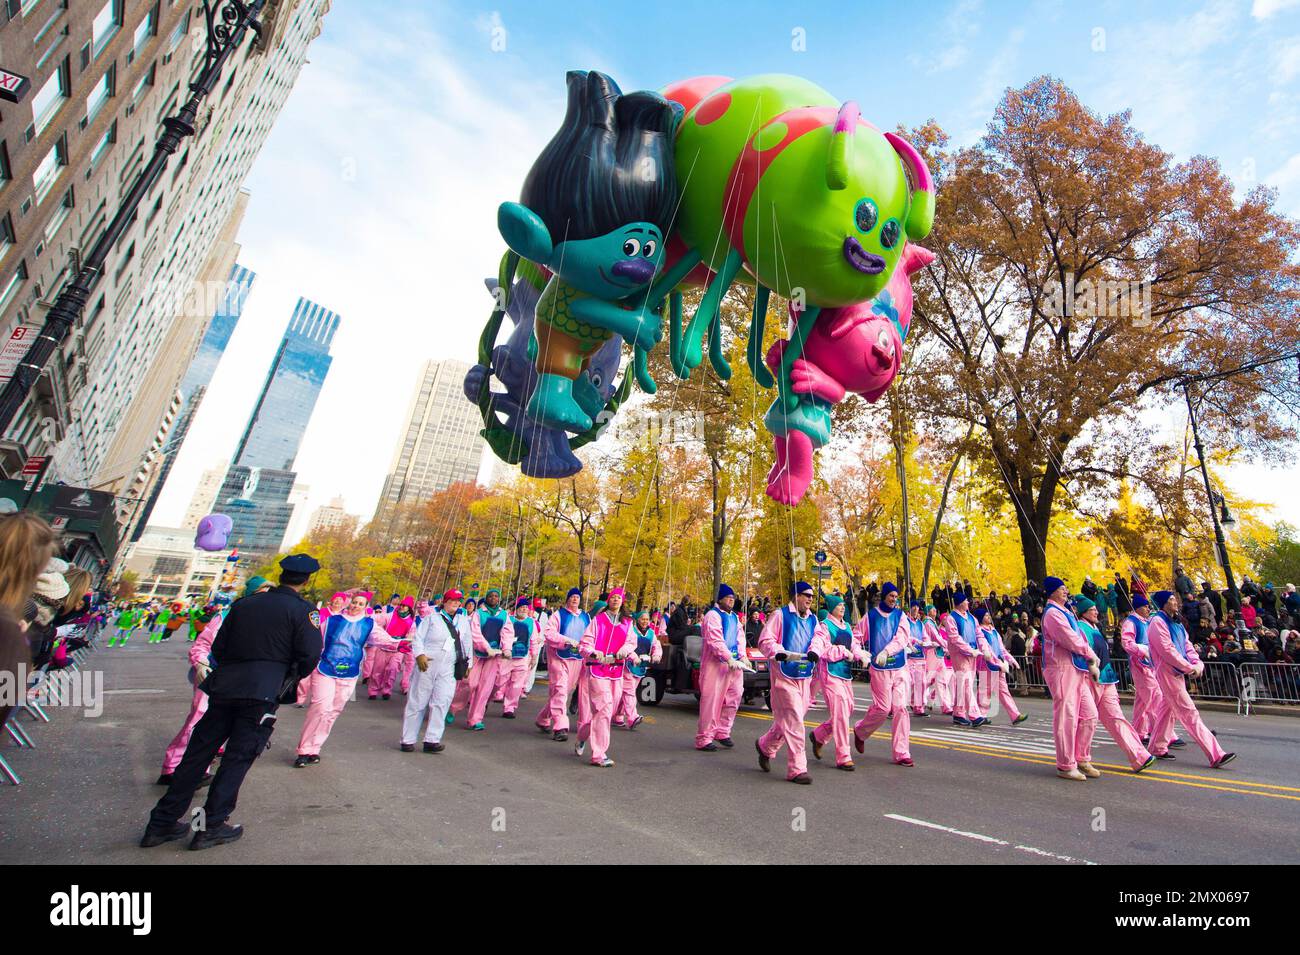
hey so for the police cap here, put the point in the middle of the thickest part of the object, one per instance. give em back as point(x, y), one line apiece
point(300, 564)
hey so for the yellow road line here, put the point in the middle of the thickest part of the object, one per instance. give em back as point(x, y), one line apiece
point(1182, 779)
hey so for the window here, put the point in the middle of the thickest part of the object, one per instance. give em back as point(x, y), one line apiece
point(144, 84)
point(48, 100)
point(60, 216)
point(107, 22)
point(100, 94)
point(30, 5)
point(182, 28)
point(6, 236)
point(101, 147)
point(147, 29)
point(11, 289)
point(5, 173)
point(47, 172)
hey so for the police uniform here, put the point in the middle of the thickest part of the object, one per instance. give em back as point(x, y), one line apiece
point(268, 642)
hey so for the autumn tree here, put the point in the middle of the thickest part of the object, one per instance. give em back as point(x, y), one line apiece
point(1081, 273)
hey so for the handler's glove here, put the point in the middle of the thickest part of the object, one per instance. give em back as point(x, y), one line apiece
point(201, 671)
point(881, 657)
point(422, 662)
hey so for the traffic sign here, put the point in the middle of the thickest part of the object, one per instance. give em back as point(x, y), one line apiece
point(820, 557)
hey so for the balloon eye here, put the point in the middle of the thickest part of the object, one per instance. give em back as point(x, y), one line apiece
point(865, 215)
point(631, 247)
point(650, 247)
point(889, 234)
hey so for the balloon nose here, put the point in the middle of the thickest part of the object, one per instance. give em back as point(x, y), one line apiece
point(638, 270)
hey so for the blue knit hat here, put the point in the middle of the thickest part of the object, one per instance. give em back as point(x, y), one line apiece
point(1140, 601)
point(981, 613)
point(889, 588)
point(1052, 584)
point(573, 592)
point(725, 591)
point(1161, 597)
point(801, 587)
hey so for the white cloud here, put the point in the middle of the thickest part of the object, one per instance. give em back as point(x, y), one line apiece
point(960, 26)
point(1263, 9)
point(376, 196)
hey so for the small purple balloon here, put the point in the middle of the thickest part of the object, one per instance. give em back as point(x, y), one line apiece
point(212, 532)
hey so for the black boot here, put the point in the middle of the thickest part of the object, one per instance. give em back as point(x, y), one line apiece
point(156, 837)
point(216, 837)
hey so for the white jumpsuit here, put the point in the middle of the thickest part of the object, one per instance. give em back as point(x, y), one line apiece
point(432, 690)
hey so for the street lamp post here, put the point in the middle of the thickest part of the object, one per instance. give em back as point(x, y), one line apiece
point(228, 21)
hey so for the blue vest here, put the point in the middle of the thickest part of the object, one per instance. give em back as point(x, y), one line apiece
point(345, 646)
point(1140, 635)
point(966, 628)
point(730, 630)
point(573, 626)
point(917, 627)
point(490, 623)
point(939, 651)
point(994, 640)
point(880, 632)
point(1080, 662)
point(840, 637)
point(1099, 647)
point(519, 649)
point(643, 642)
point(1177, 635)
point(796, 636)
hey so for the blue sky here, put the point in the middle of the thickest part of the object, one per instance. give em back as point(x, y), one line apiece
point(376, 192)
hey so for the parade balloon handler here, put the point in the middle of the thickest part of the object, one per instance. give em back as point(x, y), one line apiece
point(647, 651)
point(917, 673)
point(391, 654)
point(1105, 694)
point(1175, 658)
point(993, 667)
point(1074, 709)
point(835, 674)
point(523, 649)
point(886, 635)
point(790, 642)
point(1146, 688)
point(723, 665)
point(335, 678)
point(938, 664)
point(607, 642)
point(542, 616)
point(595, 210)
point(267, 643)
point(442, 645)
point(200, 666)
point(564, 632)
point(962, 641)
point(336, 605)
point(493, 633)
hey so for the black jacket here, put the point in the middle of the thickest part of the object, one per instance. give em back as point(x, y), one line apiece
point(265, 640)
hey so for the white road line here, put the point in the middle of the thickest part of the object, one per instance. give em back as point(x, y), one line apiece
point(980, 837)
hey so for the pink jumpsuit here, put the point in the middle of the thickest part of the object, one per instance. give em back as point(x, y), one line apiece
point(1146, 688)
point(722, 680)
point(388, 654)
point(330, 694)
point(603, 636)
point(994, 680)
point(199, 651)
point(938, 668)
point(917, 671)
point(625, 713)
point(891, 689)
point(1174, 657)
point(1074, 708)
point(488, 667)
point(520, 669)
point(1109, 711)
point(963, 656)
point(842, 648)
point(563, 666)
point(791, 684)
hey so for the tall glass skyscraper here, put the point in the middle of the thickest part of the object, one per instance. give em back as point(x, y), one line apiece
point(293, 383)
point(255, 493)
point(198, 376)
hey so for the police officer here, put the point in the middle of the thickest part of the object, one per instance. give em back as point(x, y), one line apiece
point(268, 642)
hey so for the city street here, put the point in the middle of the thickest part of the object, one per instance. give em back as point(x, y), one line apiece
point(511, 795)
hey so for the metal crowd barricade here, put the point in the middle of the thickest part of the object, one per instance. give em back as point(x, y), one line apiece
point(1030, 674)
point(1220, 681)
point(1277, 683)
